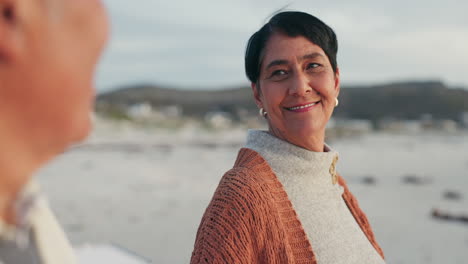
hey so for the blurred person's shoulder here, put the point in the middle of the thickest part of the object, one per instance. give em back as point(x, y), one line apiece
point(37, 230)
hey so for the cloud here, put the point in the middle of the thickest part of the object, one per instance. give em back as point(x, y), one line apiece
point(201, 43)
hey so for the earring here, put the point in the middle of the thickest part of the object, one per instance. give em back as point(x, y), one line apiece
point(336, 102)
point(262, 112)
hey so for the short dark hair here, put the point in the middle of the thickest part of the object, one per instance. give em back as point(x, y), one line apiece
point(293, 24)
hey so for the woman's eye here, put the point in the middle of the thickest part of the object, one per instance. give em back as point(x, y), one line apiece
point(278, 74)
point(313, 65)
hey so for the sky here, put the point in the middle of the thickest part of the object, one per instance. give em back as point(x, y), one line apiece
point(200, 44)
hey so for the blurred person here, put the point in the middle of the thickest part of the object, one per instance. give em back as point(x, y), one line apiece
point(283, 202)
point(48, 53)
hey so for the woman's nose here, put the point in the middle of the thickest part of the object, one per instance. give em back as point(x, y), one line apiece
point(300, 85)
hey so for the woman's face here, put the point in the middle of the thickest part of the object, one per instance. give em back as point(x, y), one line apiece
point(298, 88)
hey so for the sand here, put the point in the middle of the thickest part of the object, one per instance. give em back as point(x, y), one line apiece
point(146, 190)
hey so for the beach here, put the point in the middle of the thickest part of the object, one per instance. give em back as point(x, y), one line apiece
point(145, 189)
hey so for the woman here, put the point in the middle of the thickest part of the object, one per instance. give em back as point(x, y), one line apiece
point(48, 52)
point(283, 201)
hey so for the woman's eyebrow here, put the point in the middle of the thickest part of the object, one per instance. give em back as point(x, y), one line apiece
point(312, 55)
point(277, 62)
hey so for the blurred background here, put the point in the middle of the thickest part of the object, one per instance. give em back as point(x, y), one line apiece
point(174, 106)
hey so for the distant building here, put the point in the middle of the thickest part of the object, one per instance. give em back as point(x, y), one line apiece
point(427, 121)
point(140, 111)
point(171, 111)
point(358, 125)
point(447, 125)
point(218, 120)
point(395, 125)
point(350, 126)
point(243, 114)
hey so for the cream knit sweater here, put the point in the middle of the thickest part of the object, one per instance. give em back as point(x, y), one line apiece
point(308, 178)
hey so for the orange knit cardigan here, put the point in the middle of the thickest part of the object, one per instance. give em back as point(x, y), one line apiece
point(250, 219)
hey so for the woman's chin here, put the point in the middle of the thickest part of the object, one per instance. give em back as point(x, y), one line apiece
point(308, 131)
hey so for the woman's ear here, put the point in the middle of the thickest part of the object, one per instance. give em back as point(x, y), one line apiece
point(257, 94)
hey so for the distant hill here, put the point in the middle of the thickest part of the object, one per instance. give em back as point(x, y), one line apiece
point(404, 100)
point(407, 100)
point(193, 102)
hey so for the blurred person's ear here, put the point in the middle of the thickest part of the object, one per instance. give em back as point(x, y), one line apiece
point(9, 30)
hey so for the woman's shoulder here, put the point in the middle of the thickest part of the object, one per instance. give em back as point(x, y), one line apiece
point(246, 185)
point(240, 207)
point(249, 173)
point(250, 160)
point(246, 189)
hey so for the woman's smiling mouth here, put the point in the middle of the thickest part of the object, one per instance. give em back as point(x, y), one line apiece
point(302, 108)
